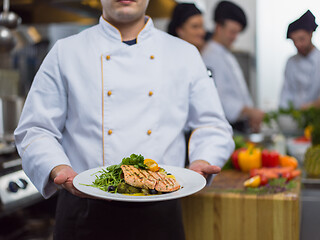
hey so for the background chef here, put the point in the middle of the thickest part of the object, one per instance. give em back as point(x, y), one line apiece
point(301, 85)
point(187, 23)
point(230, 20)
point(117, 88)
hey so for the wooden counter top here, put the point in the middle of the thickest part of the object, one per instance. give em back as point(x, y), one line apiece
point(217, 213)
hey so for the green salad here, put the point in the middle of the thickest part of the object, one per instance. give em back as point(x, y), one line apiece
point(111, 179)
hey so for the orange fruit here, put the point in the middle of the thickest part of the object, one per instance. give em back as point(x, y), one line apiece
point(288, 161)
point(152, 165)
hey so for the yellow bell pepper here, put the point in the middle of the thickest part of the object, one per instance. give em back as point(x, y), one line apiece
point(250, 159)
point(307, 132)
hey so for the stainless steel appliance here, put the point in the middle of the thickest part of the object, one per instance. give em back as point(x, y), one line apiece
point(11, 107)
point(16, 189)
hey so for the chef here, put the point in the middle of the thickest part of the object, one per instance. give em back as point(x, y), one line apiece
point(118, 88)
point(301, 85)
point(187, 24)
point(230, 20)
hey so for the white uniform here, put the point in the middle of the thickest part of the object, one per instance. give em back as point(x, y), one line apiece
point(96, 100)
point(302, 80)
point(228, 78)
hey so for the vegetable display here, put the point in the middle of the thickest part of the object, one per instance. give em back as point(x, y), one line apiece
point(266, 167)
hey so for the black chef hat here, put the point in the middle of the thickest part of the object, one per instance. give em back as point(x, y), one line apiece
point(228, 10)
point(305, 22)
point(181, 13)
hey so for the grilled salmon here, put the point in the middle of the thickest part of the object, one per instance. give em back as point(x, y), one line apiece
point(149, 180)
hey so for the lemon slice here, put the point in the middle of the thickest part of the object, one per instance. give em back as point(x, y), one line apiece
point(253, 182)
point(152, 165)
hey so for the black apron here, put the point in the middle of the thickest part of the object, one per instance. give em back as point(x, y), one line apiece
point(80, 218)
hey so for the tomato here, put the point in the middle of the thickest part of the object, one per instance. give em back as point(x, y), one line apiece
point(287, 175)
point(263, 180)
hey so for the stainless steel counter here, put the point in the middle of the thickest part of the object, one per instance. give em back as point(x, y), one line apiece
point(310, 209)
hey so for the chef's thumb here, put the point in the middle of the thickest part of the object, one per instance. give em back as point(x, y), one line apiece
point(60, 178)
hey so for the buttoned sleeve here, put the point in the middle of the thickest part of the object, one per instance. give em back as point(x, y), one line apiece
point(211, 138)
point(39, 133)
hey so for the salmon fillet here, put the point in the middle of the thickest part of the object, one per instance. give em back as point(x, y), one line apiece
point(149, 180)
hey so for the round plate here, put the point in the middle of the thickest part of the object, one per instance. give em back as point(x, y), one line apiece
point(190, 181)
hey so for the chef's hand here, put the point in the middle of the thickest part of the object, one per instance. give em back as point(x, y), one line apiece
point(204, 168)
point(63, 175)
point(315, 104)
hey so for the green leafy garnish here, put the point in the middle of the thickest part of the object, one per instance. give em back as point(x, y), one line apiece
point(136, 160)
point(108, 178)
point(112, 175)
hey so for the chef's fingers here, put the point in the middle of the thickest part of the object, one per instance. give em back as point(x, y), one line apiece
point(68, 185)
point(211, 169)
point(204, 168)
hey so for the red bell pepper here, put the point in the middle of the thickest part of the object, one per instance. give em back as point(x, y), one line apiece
point(270, 158)
point(234, 158)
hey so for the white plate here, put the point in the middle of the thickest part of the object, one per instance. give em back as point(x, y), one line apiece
point(190, 181)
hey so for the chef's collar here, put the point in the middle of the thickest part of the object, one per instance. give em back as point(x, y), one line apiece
point(114, 33)
point(219, 46)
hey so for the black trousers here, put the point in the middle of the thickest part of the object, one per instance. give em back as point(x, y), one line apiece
point(78, 218)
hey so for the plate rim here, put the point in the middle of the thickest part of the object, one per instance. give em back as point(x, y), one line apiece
point(152, 198)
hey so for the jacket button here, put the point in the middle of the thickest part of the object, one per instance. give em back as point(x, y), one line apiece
point(151, 57)
point(109, 93)
point(110, 132)
point(150, 93)
point(149, 132)
point(108, 57)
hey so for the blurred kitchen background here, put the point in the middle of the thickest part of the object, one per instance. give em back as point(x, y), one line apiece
point(27, 36)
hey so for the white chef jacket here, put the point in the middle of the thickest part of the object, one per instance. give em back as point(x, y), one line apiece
point(228, 78)
point(96, 100)
point(302, 80)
